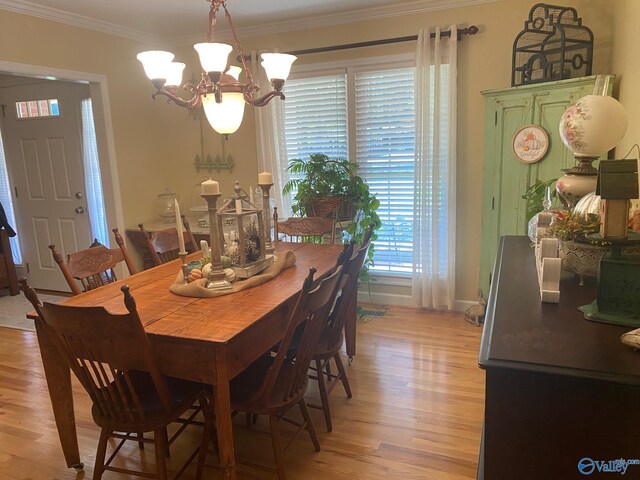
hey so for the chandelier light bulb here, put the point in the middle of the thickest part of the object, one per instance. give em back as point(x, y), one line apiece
point(224, 117)
point(213, 56)
point(156, 63)
point(277, 65)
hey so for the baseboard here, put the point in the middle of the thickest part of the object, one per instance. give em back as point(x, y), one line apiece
point(378, 298)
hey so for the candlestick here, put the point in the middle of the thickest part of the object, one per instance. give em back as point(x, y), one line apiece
point(266, 212)
point(210, 187)
point(216, 278)
point(176, 207)
point(265, 178)
point(183, 261)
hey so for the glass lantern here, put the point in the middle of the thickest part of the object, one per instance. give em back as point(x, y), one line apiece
point(244, 243)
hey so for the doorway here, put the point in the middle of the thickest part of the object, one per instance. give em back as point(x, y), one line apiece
point(49, 174)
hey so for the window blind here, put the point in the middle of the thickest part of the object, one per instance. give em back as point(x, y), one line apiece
point(385, 150)
point(315, 115)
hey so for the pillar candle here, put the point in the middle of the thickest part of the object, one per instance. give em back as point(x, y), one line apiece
point(265, 178)
point(204, 247)
point(210, 187)
point(179, 226)
point(251, 194)
point(238, 207)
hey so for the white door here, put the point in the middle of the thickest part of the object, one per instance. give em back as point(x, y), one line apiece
point(44, 158)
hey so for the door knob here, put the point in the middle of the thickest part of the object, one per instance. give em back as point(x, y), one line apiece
point(79, 209)
point(79, 195)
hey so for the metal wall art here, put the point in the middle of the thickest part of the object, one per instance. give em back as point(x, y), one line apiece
point(554, 45)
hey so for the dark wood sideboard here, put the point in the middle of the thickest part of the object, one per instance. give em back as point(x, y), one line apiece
point(558, 387)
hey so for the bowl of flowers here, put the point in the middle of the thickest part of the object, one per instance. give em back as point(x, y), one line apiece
point(580, 253)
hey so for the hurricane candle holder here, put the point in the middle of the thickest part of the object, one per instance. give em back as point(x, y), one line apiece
point(266, 216)
point(216, 279)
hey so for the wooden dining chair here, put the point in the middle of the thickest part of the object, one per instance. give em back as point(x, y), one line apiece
point(164, 245)
point(93, 267)
point(301, 229)
point(332, 336)
point(111, 356)
point(273, 385)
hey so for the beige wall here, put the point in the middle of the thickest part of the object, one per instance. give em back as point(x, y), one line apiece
point(156, 143)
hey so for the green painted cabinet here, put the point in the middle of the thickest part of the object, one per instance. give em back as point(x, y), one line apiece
point(505, 178)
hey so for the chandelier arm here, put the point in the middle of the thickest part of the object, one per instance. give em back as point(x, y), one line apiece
point(193, 102)
point(262, 101)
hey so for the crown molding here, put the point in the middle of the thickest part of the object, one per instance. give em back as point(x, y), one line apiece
point(373, 13)
point(386, 11)
point(75, 20)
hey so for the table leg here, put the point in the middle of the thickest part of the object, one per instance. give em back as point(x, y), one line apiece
point(222, 405)
point(58, 378)
point(350, 326)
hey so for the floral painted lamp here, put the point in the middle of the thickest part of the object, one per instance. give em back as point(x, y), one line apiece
point(591, 127)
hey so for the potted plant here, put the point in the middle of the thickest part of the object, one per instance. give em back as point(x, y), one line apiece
point(326, 185)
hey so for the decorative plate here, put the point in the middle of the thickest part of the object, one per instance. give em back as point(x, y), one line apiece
point(530, 143)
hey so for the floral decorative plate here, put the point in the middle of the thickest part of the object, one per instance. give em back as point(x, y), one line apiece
point(530, 143)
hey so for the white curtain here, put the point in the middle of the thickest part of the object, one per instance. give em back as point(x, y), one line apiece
point(434, 233)
point(92, 178)
point(270, 139)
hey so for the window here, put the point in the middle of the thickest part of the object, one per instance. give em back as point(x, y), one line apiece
point(7, 203)
point(366, 115)
point(38, 108)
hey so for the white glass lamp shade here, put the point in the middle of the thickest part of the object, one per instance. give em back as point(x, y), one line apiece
point(174, 75)
point(156, 63)
point(224, 117)
point(213, 56)
point(277, 65)
point(234, 72)
point(593, 125)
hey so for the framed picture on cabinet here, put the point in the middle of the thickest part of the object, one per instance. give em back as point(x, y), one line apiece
point(530, 143)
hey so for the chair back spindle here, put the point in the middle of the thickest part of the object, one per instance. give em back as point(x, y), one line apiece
point(164, 245)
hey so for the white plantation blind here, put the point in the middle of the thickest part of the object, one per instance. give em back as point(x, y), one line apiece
point(373, 108)
point(315, 113)
point(385, 150)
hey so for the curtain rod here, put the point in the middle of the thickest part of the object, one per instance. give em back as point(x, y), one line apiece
point(472, 30)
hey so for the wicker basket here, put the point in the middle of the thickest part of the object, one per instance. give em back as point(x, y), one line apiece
point(326, 206)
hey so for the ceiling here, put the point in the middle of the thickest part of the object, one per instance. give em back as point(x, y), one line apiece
point(183, 19)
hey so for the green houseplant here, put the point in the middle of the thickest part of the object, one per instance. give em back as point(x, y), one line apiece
point(323, 183)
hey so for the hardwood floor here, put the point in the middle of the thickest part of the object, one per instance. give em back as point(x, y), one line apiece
point(416, 412)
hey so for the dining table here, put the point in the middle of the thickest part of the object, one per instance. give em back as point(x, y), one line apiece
point(209, 340)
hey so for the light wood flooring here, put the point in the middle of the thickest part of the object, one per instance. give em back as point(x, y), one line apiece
point(416, 412)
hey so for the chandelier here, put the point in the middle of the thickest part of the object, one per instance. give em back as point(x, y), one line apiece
point(220, 91)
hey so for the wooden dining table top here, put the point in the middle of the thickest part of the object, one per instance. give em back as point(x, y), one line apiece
point(215, 319)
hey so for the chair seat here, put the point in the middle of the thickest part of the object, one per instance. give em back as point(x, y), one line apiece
point(182, 395)
point(325, 347)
